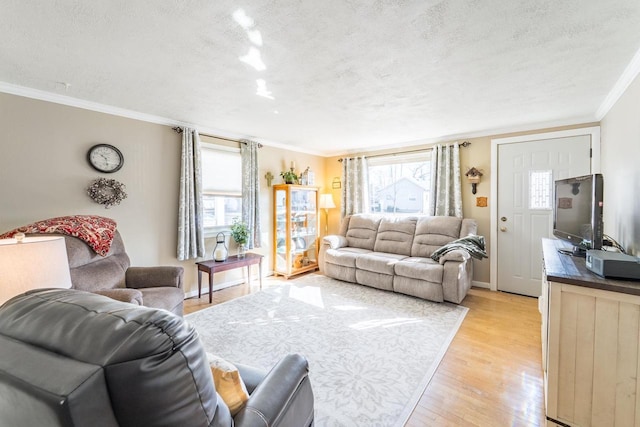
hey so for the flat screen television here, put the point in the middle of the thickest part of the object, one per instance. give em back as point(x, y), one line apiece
point(577, 212)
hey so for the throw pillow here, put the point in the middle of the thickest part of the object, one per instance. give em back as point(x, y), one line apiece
point(228, 382)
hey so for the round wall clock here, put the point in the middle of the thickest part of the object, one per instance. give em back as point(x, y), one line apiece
point(105, 158)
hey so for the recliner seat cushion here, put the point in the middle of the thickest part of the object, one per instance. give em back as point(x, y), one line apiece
point(420, 268)
point(375, 280)
point(340, 272)
point(378, 262)
point(167, 298)
point(345, 257)
point(418, 288)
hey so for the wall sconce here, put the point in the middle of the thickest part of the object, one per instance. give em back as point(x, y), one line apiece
point(473, 175)
point(336, 183)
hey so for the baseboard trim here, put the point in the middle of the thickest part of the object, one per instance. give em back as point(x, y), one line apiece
point(483, 285)
point(218, 287)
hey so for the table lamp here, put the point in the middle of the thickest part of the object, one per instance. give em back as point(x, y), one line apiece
point(28, 263)
point(326, 203)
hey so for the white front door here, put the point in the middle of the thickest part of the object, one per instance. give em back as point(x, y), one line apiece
point(526, 172)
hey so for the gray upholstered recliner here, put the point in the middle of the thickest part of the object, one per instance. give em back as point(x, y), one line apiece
point(73, 358)
point(111, 275)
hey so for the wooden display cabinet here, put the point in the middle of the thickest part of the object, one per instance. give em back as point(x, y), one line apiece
point(296, 224)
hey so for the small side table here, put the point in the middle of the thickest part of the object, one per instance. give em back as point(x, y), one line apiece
point(230, 263)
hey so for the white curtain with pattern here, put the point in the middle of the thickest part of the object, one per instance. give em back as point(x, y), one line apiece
point(446, 186)
point(355, 187)
point(190, 212)
point(250, 191)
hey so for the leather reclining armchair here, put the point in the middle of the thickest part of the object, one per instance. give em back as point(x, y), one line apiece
point(69, 357)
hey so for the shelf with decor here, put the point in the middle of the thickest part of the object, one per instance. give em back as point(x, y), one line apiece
point(296, 223)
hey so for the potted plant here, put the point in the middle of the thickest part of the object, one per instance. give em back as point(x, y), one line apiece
point(240, 234)
point(289, 177)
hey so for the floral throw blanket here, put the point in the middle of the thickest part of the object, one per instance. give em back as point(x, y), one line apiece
point(96, 231)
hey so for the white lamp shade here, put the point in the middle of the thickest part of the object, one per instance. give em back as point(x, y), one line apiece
point(326, 201)
point(34, 263)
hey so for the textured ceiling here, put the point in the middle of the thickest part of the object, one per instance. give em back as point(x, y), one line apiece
point(327, 76)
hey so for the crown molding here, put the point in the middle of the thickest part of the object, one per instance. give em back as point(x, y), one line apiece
point(628, 76)
point(494, 132)
point(136, 115)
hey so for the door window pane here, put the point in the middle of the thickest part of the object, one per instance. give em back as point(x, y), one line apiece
point(540, 189)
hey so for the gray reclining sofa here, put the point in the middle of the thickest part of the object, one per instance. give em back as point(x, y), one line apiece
point(394, 254)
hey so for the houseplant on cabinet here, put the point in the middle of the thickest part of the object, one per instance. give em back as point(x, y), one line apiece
point(289, 177)
point(240, 234)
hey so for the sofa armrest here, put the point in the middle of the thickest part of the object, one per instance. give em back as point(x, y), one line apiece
point(455, 255)
point(335, 241)
point(151, 277)
point(283, 398)
point(132, 296)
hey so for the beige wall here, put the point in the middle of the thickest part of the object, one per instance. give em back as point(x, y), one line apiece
point(478, 155)
point(44, 173)
point(620, 133)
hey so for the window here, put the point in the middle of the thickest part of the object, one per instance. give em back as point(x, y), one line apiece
point(540, 189)
point(400, 183)
point(221, 185)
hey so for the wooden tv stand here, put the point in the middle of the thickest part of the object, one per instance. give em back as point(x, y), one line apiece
point(590, 343)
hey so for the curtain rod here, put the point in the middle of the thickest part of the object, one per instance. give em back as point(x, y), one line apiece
point(464, 144)
point(178, 129)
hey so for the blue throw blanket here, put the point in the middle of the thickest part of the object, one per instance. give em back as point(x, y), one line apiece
point(474, 245)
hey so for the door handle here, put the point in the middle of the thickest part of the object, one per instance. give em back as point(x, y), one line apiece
point(503, 229)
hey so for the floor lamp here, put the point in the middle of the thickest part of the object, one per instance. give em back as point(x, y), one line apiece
point(326, 203)
point(28, 263)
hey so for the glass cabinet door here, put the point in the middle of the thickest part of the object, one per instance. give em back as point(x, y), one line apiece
point(295, 229)
point(280, 224)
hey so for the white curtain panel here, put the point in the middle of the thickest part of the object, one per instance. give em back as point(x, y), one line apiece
point(190, 213)
point(446, 187)
point(355, 186)
point(250, 191)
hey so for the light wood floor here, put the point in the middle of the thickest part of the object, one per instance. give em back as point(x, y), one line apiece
point(491, 374)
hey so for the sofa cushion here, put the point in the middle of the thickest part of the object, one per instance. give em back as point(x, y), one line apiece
point(378, 262)
point(165, 297)
point(420, 268)
point(362, 231)
point(105, 273)
point(434, 231)
point(344, 256)
point(395, 235)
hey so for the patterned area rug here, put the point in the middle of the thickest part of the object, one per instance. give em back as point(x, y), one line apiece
point(371, 353)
